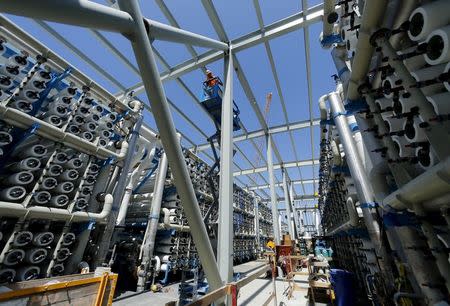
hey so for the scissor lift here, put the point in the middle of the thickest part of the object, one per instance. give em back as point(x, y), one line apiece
point(212, 103)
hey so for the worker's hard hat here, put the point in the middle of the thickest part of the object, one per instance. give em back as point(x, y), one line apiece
point(208, 72)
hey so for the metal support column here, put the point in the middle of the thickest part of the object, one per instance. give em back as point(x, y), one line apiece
point(150, 76)
point(148, 245)
point(225, 243)
point(273, 195)
point(287, 204)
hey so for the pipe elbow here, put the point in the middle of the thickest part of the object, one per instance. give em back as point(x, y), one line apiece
point(135, 105)
point(123, 150)
point(107, 206)
point(166, 213)
point(323, 107)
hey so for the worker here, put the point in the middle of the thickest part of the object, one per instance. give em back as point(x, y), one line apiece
point(212, 80)
point(271, 245)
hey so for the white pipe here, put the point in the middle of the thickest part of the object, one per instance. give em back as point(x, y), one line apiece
point(46, 130)
point(413, 132)
point(339, 56)
point(13, 257)
point(429, 73)
point(14, 193)
point(395, 124)
point(59, 200)
point(179, 228)
point(373, 14)
point(41, 197)
point(337, 159)
point(329, 17)
point(7, 275)
point(323, 114)
point(438, 48)
point(36, 255)
point(403, 150)
point(157, 267)
point(388, 83)
point(27, 164)
point(441, 103)
point(430, 185)
point(405, 105)
point(428, 17)
point(132, 178)
point(383, 103)
point(43, 239)
point(447, 70)
point(17, 210)
point(167, 225)
point(426, 158)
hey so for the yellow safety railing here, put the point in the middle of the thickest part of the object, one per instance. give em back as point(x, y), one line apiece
point(107, 280)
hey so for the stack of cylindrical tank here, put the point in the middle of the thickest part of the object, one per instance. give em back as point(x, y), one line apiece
point(45, 177)
point(180, 247)
point(244, 243)
point(265, 223)
point(396, 106)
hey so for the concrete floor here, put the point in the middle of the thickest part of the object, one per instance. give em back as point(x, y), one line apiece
point(253, 294)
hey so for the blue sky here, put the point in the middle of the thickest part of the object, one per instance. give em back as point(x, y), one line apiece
point(238, 18)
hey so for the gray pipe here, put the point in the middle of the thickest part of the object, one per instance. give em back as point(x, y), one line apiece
point(118, 194)
point(152, 224)
point(287, 204)
point(150, 76)
point(362, 183)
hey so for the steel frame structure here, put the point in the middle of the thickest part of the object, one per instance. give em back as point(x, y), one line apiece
point(262, 36)
point(128, 20)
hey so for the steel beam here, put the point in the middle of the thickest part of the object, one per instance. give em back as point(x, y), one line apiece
point(225, 237)
point(81, 13)
point(79, 53)
point(274, 30)
point(93, 15)
point(149, 72)
point(261, 132)
point(273, 196)
point(298, 197)
point(309, 84)
point(301, 163)
point(157, 30)
point(296, 182)
point(277, 83)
